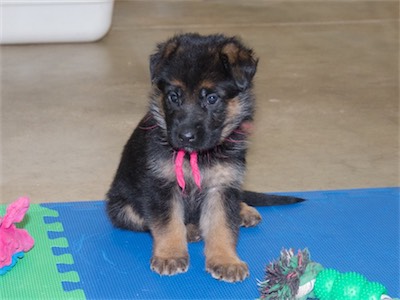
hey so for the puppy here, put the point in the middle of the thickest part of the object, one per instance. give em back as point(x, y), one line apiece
point(181, 172)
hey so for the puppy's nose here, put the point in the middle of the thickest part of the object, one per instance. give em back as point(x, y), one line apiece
point(187, 136)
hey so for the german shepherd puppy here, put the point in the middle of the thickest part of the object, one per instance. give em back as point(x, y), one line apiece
point(181, 172)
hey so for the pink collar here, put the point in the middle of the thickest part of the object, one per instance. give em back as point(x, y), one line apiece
point(179, 169)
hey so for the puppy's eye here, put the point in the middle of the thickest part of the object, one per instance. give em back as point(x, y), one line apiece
point(173, 97)
point(212, 98)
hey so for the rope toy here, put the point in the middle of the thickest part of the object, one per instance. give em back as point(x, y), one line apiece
point(297, 277)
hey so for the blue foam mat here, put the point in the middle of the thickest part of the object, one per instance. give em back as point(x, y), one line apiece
point(349, 230)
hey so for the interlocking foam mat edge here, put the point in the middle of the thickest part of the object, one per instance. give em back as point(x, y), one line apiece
point(349, 230)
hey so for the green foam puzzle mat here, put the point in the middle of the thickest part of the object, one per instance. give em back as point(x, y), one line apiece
point(36, 275)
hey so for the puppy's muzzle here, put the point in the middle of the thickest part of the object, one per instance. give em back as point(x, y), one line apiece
point(187, 136)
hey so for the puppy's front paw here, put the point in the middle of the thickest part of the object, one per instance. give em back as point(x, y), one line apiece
point(230, 272)
point(169, 266)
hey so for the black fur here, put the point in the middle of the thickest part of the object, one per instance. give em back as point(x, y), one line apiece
point(202, 102)
point(260, 199)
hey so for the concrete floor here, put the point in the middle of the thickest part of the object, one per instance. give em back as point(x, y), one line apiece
point(327, 89)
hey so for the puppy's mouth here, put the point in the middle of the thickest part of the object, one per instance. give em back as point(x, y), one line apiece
point(194, 146)
point(187, 147)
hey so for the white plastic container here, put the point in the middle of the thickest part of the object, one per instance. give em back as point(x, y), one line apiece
point(54, 21)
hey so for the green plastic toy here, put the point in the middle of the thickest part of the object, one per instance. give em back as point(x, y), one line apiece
point(297, 277)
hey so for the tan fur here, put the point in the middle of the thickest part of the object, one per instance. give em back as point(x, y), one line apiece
point(222, 175)
point(237, 57)
point(206, 84)
point(249, 215)
point(163, 169)
point(231, 51)
point(170, 241)
point(220, 246)
point(214, 227)
point(234, 53)
point(234, 109)
point(193, 233)
point(219, 175)
point(170, 48)
point(157, 108)
point(178, 83)
point(170, 254)
point(133, 217)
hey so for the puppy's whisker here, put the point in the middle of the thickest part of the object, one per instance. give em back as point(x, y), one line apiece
point(238, 131)
point(234, 141)
point(148, 127)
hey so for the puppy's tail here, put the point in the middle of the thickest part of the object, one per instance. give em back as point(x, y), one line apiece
point(261, 199)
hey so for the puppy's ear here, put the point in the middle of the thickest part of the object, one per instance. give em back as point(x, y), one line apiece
point(163, 52)
point(240, 62)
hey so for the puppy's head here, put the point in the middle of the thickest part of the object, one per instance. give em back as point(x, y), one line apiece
point(201, 89)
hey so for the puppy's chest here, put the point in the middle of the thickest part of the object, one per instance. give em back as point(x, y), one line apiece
point(211, 174)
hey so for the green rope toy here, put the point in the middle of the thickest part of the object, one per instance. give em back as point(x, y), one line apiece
point(297, 277)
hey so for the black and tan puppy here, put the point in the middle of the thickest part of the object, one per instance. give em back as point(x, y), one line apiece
point(181, 172)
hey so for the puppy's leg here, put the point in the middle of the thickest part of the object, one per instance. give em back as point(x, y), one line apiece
point(123, 215)
point(219, 223)
point(193, 233)
point(170, 254)
point(249, 215)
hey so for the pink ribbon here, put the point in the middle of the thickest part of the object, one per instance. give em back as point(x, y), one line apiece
point(179, 169)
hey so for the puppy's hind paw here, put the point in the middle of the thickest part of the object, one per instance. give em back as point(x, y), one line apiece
point(250, 216)
point(193, 233)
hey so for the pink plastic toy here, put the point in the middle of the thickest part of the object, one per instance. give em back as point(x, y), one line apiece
point(13, 241)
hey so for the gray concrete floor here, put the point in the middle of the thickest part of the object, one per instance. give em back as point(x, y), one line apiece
point(327, 89)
